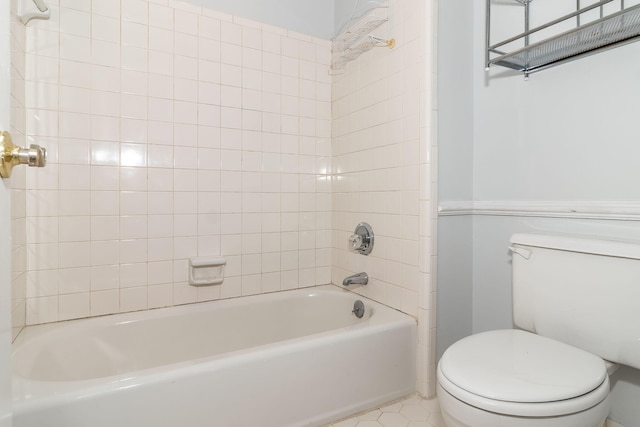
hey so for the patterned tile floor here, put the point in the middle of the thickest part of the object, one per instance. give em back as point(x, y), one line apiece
point(413, 411)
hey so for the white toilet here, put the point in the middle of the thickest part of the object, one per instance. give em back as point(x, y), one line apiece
point(576, 302)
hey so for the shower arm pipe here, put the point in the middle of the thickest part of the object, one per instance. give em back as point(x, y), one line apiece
point(41, 5)
point(390, 43)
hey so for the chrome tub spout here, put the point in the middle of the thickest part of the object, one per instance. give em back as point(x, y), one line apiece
point(356, 279)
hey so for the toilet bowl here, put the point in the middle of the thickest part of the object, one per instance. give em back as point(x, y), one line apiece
point(575, 307)
point(513, 378)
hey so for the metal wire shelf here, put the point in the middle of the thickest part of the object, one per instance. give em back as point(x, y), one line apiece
point(609, 31)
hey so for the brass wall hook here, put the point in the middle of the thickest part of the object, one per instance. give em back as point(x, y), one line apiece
point(12, 155)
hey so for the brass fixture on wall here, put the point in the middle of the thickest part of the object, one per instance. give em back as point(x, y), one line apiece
point(12, 155)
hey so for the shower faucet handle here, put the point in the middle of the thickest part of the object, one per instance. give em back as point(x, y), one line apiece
point(362, 239)
point(355, 241)
point(12, 155)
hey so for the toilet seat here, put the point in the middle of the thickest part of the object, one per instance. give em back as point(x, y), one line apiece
point(519, 373)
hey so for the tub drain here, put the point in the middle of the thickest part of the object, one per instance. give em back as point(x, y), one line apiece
point(358, 309)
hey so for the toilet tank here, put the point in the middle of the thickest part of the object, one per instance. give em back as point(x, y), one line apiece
point(584, 292)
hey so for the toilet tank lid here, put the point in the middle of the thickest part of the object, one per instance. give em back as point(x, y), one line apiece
point(580, 244)
point(518, 366)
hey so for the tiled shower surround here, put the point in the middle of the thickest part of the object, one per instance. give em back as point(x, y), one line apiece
point(173, 131)
point(382, 149)
point(177, 131)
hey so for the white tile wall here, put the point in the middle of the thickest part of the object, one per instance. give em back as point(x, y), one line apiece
point(18, 195)
point(382, 148)
point(173, 131)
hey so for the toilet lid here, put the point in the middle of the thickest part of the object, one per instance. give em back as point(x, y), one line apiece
point(519, 366)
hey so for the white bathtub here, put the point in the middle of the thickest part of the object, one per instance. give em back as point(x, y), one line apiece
point(295, 358)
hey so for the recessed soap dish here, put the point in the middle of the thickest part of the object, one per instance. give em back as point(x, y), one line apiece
point(205, 271)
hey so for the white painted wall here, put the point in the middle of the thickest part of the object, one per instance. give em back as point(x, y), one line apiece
point(313, 17)
point(342, 12)
point(351, 10)
point(567, 134)
point(455, 171)
point(5, 294)
point(318, 18)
